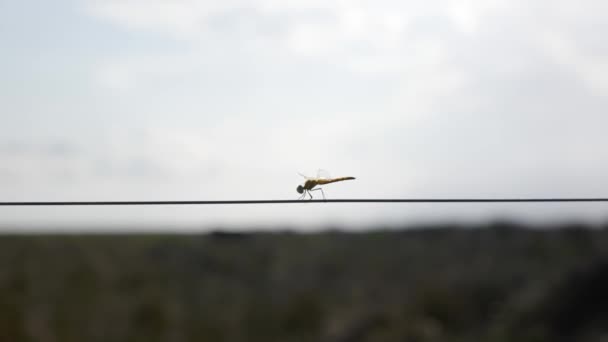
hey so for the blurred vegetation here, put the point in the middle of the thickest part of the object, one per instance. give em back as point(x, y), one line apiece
point(500, 282)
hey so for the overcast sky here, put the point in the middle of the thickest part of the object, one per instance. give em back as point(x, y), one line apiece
point(188, 100)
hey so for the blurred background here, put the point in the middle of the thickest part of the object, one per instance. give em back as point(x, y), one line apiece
point(200, 100)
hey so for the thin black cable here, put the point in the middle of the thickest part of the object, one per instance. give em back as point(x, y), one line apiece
point(364, 200)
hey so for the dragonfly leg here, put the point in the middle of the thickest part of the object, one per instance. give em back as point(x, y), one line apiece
point(319, 189)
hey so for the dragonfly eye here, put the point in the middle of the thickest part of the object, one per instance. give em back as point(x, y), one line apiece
point(300, 189)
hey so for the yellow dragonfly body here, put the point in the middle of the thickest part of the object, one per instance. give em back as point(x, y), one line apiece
point(311, 183)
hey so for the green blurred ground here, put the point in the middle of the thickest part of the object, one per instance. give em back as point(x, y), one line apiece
point(488, 283)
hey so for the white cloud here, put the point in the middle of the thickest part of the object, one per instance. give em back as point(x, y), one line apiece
point(370, 37)
point(592, 69)
point(359, 35)
point(182, 19)
point(455, 64)
point(126, 73)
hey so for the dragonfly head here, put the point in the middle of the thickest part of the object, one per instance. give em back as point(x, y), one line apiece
point(300, 189)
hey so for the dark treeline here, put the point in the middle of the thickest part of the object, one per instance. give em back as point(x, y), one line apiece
point(499, 282)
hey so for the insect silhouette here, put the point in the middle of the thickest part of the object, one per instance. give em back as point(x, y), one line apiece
point(321, 179)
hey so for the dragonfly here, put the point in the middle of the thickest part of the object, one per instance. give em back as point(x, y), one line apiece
point(321, 179)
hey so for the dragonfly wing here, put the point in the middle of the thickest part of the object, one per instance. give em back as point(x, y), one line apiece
point(323, 174)
point(305, 177)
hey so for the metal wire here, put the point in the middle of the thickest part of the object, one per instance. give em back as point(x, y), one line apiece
point(363, 200)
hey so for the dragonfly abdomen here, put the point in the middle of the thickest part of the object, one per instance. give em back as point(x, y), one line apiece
point(333, 180)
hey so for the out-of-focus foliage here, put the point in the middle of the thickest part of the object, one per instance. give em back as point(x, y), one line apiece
point(498, 282)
